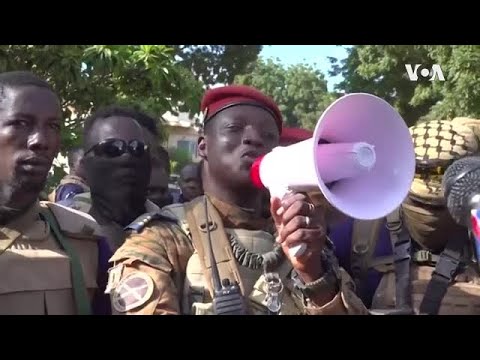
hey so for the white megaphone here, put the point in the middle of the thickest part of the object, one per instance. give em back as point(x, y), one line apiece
point(361, 157)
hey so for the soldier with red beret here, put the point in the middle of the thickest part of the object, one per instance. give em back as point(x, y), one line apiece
point(218, 254)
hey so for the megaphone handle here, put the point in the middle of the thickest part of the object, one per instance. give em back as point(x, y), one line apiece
point(280, 192)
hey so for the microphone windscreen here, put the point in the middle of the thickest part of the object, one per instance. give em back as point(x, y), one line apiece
point(461, 186)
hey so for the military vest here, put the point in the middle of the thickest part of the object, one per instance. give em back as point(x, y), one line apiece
point(406, 282)
point(228, 244)
point(48, 263)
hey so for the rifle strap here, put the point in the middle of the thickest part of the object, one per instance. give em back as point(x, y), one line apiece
point(401, 245)
point(197, 223)
point(79, 287)
point(364, 239)
point(445, 271)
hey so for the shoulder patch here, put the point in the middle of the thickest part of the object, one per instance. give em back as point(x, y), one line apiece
point(133, 291)
point(73, 221)
point(139, 223)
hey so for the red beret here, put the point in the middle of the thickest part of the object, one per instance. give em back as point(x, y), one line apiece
point(220, 98)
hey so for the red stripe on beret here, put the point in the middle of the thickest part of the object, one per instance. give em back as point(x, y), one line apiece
point(220, 98)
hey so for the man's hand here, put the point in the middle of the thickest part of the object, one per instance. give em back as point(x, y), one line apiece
point(299, 221)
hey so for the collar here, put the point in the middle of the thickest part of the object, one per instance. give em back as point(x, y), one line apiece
point(151, 207)
point(237, 217)
point(29, 225)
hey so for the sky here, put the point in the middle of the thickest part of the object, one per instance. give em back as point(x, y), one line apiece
point(315, 55)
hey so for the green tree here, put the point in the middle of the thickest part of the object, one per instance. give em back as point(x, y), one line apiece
point(87, 77)
point(300, 90)
point(460, 92)
point(380, 70)
point(217, 63)
point(178, 159)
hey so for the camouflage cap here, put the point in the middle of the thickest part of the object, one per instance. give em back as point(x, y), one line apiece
point(437, 144)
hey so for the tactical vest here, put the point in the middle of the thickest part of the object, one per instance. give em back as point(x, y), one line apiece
point(47, 270)
point(198, 289)
point(414, 281)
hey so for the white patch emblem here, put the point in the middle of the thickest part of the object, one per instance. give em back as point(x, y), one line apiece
point(114, 277)
point(134, 290)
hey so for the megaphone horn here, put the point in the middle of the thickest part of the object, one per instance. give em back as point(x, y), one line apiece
point(361, 157)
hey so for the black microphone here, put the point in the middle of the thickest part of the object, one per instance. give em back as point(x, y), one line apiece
point(461, 187)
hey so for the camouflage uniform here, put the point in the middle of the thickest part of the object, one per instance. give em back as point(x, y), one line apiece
point(423, 231)
point(158, 270)
point(48, 262)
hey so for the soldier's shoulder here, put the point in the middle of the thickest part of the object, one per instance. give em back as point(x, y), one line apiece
point(81, 202)
point(154, 239)
point(72, 222)
point(151, 219)
point(176, 211)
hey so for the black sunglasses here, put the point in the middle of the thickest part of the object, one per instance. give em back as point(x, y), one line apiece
point(112, 148)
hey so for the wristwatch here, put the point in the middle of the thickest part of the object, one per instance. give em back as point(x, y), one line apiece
point(329, 281)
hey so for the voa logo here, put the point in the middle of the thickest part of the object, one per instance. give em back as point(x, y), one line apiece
point(434, 73)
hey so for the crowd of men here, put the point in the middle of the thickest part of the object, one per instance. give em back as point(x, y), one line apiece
point(112, 239)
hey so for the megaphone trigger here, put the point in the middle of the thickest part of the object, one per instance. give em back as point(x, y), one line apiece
point(361, 157)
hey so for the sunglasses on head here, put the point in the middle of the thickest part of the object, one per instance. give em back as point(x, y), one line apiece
point(112, 148)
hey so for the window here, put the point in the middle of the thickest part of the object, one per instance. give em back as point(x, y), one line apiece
point(187, 145)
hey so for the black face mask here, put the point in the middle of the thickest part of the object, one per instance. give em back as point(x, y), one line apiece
point(118, 183)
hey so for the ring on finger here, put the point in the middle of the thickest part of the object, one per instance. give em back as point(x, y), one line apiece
point(307, 221)
point(311, 207)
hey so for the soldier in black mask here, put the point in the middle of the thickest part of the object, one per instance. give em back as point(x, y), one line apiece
point(117, 164)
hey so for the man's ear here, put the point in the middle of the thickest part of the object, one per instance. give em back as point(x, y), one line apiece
point(202, 147)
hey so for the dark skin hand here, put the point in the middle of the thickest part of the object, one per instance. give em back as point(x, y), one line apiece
point(290, 215)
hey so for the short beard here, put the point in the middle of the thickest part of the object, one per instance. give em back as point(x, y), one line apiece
point(9, 208)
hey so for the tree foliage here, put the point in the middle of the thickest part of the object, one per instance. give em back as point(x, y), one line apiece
point(178, 159)
point(460, 93)
point(148, 77)
point(87, 77)
point(380, 70)
point(300, 90)
point(217, 63)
